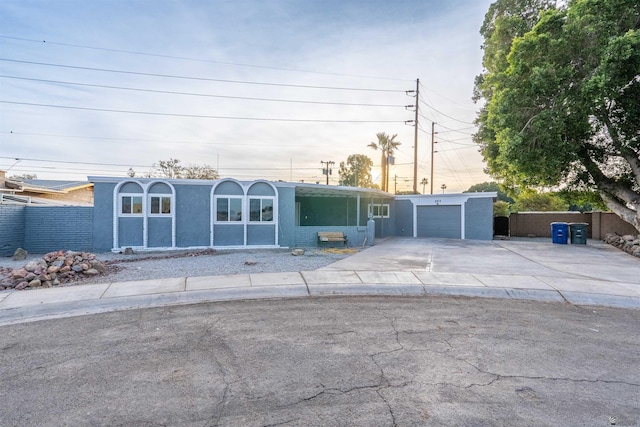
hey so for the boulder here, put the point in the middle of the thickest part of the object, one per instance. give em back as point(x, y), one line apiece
point(19, 273)
point(20, 255)
point(32, 265)
point(297, 252)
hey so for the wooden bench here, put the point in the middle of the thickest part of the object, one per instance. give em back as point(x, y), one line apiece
point(331, 236)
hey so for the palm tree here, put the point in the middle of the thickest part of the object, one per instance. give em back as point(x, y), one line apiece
point(386, 145)
point(424, 182)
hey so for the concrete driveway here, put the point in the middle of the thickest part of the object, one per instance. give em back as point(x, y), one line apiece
point(533, 257)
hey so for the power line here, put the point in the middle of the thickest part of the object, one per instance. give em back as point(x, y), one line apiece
point(170, 76)
point(197, 116)
point(470, 106)
point(446, 115)
point(200, 94)
point(200, 59)
point(72, 162)
point(161, 141)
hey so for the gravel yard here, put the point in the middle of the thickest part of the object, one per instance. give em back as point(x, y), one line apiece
point(157, 265)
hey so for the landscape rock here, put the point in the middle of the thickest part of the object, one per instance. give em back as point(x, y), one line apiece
point(53, 269)
point(31, 265)
point(20, 255)
point(628, 243)
point(297, 252)
point(128, 251)
point(250, 262)
point(19, 273)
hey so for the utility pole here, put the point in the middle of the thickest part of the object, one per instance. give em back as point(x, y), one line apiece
point(415, 141)
point(327, 171)
point(433, 142)
point(395, 184)
point(356, 183)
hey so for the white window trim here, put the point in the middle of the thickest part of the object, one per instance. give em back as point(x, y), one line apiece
point(131, 214)
point(161, 196)
point(117, 206)
point(243, 220)
point(382, 206)
point(261, 198)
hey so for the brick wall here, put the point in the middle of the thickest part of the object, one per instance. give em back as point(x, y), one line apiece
point(50, 228)
point(12, 219)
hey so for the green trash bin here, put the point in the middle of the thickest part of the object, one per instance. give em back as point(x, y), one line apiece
point(578, 233)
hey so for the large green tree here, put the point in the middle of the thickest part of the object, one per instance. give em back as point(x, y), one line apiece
point(356, 171)
point(490, 186)
point(562, 92)
point(387, 146)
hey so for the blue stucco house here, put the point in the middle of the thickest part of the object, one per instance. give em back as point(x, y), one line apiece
point(165, 214)
point(157, 214)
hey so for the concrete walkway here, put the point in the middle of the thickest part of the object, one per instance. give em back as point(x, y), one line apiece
point(533, 269)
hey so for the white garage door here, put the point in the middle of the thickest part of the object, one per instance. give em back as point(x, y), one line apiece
point(439, 221)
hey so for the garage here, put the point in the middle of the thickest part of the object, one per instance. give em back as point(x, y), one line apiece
point(439, 221)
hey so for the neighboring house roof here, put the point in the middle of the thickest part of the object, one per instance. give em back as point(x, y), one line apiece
point(48, 186)
point(46, 192)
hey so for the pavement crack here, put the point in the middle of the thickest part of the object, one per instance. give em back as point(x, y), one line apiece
point(544, 378)
point(281, 423)
point(393, 417)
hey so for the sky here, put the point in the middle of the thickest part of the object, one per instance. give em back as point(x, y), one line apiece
point(256, 89)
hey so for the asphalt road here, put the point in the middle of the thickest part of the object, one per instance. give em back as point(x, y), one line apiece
point(331, 361)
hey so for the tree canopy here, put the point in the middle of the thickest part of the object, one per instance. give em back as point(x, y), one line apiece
point(22, 177)
point(173, 169)
point(490, 186)
point(356, 172)
point(562, 92)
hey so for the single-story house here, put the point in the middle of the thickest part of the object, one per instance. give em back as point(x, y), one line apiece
point(149, 213)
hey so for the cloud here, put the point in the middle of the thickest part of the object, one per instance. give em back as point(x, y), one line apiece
point(437, 42)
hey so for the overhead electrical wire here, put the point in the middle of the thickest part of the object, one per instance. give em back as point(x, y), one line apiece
point(444, 114)
point(197, 116)
point(160, 141)
point(157, 55)
point(470, 106)
point(200, 94)
point(170, 76)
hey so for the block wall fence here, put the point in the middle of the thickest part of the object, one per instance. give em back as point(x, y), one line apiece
point(42, 229)
point(538, 224)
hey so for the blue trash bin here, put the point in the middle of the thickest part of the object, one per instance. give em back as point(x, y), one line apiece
point(560, 232)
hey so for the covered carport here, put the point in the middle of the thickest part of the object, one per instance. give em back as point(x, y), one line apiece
point(338, 208)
